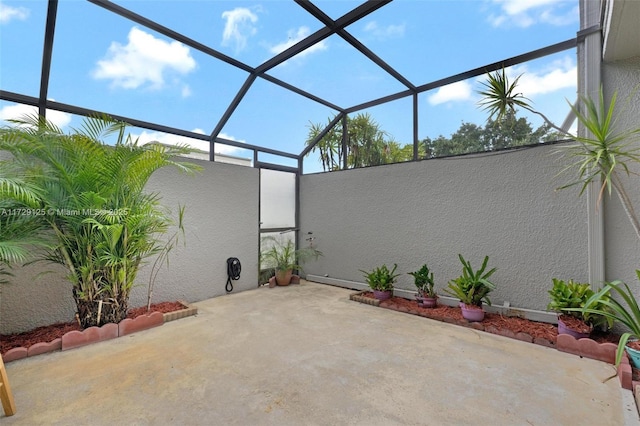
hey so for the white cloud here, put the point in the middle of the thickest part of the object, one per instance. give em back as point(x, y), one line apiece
point(524, 13)
point(8, 13)
point(186, 91)
point(19, 111)
point(389, 31)
point(168, 139)
point(561, 74)
point(295, 36)
point(228, 149)
point(239, 27)
point(459, 91)
point(144, 60)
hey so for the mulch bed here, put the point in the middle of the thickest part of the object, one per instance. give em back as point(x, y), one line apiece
point(51, 332)
point(537, 330)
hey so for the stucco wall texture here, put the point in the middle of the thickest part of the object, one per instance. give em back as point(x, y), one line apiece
point(622, 247)
point(221, 221)
point(504, 206)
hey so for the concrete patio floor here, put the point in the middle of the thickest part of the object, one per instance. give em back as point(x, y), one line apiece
point(306, 355)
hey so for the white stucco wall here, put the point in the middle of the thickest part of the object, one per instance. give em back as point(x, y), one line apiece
point(622, 247)
point(221, 221)
point(503, 206)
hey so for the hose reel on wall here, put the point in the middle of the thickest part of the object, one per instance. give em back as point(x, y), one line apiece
point(233, 272)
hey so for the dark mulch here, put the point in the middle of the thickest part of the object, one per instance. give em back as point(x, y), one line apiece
point(537, 330)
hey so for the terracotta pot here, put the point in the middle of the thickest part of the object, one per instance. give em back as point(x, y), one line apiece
point(472, 313)
point(564, 329)
point(283, 277)
point(382, 294)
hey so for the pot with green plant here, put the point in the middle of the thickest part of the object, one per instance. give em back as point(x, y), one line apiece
point(472, 288)
point(427, 297)
point(284, 258)
point(381, 280)
point(567, 298)
point(624, 309)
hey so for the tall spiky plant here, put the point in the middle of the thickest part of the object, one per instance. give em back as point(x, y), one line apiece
point(104, 223)
point(600, 157)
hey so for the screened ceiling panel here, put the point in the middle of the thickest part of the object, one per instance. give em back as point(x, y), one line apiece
point(336, 8)
point(24, 34)
point(251, 32)
point(548, 82)
point(18, 111)
point(273, 117)
point(443, 38)
point(277, 159)
point(395, 118)
point(135, 72)
point(199, 148)
point(202, 67)
point(312, 163)
point(338, 73)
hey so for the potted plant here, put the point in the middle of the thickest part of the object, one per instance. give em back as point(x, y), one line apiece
point(381, 281)
point(600, 303)
point(472, 288)
point(90, 198)
point(568, 298)
point(423, 280)
point(284, 258)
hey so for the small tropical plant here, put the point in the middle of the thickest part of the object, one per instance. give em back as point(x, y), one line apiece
point(625, 311)
point(381, 278)
point(601, 157)
point(472, 287)
point(569, 297)
point(90, 197)
point(423, 280)
point(283, 256)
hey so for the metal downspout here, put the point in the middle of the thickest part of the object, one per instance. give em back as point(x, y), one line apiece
point(589, 81)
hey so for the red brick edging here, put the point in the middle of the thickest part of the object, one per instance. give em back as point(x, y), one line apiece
point(76, 339)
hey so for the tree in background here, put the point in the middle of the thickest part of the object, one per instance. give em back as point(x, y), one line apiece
point(507, 132)
point(329, 147)
point(369, 145)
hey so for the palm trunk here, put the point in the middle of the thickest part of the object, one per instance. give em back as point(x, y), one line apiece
point(95, 313)
point(546, 120)
point(627, 205)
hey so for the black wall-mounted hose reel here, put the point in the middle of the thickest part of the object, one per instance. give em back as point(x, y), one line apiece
point(233, 272)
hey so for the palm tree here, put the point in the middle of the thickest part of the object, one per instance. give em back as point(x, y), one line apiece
point(20, 231)
point(103, 222)
point(367, 144)
point(329, 147)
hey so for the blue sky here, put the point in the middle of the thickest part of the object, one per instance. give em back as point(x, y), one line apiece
point(105, 62)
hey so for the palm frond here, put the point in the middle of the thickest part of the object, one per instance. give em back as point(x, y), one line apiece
point(499, 96)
